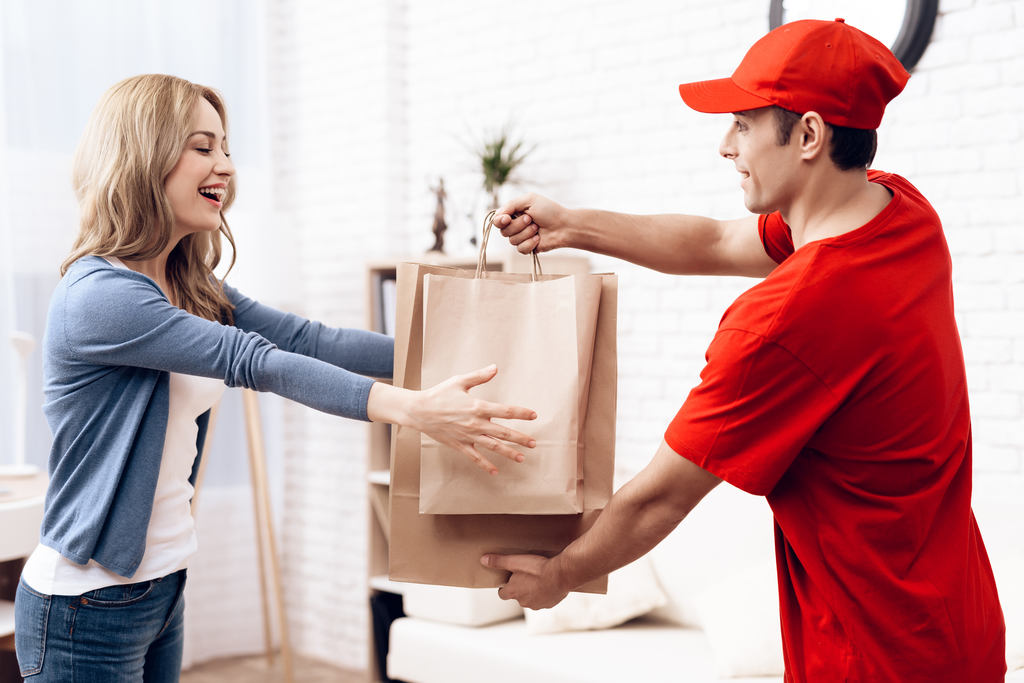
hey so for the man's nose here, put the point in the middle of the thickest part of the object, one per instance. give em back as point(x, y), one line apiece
point(726, 147)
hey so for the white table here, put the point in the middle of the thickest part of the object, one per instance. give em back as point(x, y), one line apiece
point(21, 512)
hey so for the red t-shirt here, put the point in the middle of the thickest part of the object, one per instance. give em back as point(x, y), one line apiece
point(836, 388)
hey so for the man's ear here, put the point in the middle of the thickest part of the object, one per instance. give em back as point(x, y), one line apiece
point(813, 134)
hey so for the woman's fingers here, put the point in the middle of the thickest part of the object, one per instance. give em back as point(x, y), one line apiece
point(487, 442)
point(477, 377)
point(481, 462)
point(490, 410)
point(479, 435)
point(503, 433)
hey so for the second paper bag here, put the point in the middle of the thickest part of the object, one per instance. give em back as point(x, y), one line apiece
point(541, 336)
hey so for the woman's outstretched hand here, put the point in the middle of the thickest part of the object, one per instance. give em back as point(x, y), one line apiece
point(448, 414)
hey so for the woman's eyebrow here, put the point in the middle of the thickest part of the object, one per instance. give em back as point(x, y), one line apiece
point(203, 132)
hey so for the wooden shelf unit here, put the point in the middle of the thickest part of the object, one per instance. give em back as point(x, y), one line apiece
point(378, 457)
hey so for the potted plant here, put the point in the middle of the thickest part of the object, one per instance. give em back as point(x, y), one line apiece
point(499, 157)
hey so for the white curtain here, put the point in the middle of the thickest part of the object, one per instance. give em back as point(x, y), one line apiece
point(56, 59)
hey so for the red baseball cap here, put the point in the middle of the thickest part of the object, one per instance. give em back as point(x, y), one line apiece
point(825, 66)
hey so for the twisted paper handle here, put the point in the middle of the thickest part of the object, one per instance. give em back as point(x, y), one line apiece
point(481, 261)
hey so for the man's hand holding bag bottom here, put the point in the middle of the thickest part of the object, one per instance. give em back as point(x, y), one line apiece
point(553, 340)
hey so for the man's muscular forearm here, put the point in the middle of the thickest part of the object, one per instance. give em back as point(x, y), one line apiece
point(637, 518)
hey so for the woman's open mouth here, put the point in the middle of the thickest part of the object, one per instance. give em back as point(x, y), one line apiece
point(213, 194)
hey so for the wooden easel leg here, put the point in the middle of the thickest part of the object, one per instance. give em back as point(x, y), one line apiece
point(265, 526)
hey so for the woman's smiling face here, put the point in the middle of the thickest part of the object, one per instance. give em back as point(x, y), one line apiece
point(198, 183)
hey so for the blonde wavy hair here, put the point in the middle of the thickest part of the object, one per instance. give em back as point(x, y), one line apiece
point(132, 142)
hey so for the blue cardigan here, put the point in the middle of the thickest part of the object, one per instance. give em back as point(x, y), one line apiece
point(111, 339)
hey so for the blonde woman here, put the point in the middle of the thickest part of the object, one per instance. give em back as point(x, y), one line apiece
point(141, 340)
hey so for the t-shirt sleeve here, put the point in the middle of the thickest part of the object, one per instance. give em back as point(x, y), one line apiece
point(754, 410)
point(775, 236)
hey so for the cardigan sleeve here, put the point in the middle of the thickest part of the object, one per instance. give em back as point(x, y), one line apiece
point(119, 317)
point(361, 351)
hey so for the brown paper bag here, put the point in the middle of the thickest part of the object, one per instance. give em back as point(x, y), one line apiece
point(540, 333)
point(446, 549)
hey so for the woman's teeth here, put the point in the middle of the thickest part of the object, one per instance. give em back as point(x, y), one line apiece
point(214, 193)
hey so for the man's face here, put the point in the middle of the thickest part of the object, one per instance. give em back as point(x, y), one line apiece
point(768, 169)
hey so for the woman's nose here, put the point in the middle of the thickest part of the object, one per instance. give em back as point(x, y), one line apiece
point(224, 165)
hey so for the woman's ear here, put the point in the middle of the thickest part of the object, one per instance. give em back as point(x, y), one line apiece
point(813, 133)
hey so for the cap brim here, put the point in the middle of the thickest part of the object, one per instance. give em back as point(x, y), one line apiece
point(720, 96)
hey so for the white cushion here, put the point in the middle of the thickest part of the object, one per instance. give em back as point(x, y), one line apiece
point(1001, 522)
point(727, 530)
point(451, 605)
point(740, 617)
point(632, 592)
point(425, 652)
point(1009, 575)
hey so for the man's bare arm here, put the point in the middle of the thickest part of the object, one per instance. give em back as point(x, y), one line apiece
point(670, 243)
point(639, 516)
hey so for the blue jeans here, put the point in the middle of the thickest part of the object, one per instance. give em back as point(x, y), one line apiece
point(119, 634)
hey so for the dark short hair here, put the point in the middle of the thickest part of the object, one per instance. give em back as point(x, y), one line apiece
point(851, 147)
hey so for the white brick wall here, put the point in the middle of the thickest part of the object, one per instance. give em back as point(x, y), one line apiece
point(338, 166)
point(956, 132)
point(374, 100)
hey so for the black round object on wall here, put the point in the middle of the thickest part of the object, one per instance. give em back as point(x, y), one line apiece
point(915, 29)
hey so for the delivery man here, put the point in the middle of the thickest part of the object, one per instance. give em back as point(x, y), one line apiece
point(834, 387)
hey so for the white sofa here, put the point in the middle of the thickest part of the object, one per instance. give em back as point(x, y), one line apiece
point(702, 607)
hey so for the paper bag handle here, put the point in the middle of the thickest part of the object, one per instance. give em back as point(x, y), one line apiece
point(481, 261)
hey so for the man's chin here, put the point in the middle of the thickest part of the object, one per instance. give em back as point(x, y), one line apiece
point(757, 207)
